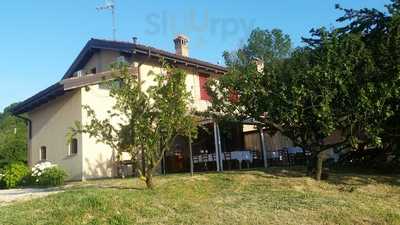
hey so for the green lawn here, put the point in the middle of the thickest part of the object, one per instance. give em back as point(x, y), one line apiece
point(247, 197)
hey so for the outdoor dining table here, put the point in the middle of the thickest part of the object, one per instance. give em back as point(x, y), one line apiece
point(235, 155)
point(241, 156)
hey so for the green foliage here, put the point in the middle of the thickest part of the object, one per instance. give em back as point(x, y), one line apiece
point(344, 80)
point(13, 175)
point(265, 45)
point(13, 136)
point(51, 177)
point(203, 199)
point(144, 122)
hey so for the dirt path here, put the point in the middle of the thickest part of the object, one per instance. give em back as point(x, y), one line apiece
point(14, 195)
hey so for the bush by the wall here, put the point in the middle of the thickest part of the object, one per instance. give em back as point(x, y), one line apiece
point(52, 177)
point(13, 175)
point(48, 175)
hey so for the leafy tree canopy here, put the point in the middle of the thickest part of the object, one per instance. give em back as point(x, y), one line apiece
point(345, 81)
point(263, 45)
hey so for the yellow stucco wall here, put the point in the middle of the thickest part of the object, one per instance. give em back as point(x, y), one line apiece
point(98, 158)
point(50, 124)
point(192, 83)
point(52, 120)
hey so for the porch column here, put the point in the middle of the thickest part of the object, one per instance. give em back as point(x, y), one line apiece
point(263, 147)
point(221, 164)
point(216, 144)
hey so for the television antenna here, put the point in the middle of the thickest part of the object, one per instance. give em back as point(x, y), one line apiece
point(110, 5)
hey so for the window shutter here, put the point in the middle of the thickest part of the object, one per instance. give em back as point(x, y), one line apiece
point(203, 90)
point(233, 97)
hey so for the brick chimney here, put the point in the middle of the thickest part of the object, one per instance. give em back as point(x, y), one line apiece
point(181, 45)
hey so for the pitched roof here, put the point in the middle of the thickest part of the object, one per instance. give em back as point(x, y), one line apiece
point(69, 83)
point(127, 47)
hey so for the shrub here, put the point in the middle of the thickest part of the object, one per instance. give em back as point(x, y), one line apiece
point(48, 175)
point(52, 177)
point(13, 175)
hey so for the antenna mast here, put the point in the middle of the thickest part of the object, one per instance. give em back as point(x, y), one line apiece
point(110, 5)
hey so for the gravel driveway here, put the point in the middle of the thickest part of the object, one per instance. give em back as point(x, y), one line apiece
point(13, 195)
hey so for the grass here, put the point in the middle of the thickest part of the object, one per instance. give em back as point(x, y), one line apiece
point(247, 197)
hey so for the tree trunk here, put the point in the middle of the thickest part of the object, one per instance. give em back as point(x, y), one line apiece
point(319, 165)
point(311, 163)
point(143, 163)
point(149, 180)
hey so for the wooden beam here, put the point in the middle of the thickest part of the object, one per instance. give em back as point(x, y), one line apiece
point(90, 79)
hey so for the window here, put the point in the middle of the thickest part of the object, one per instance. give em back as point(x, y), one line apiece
point(79, 73)
point(203, 90)
point(93, 70)
point(43, 153)
point(73, 147)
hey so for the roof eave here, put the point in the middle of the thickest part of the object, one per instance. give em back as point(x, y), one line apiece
point(39, 99)
point(130, 48)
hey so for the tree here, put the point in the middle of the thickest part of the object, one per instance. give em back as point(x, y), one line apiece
point(144, 122)
point(267, 46)
point(344, 80)
point(13, 146)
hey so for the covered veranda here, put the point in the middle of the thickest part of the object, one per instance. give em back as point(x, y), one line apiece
point(218, 147)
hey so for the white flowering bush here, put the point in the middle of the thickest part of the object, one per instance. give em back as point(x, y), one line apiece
point(48, 174)
point(38, 169)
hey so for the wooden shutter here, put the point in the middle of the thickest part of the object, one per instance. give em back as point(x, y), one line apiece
point(203, 90)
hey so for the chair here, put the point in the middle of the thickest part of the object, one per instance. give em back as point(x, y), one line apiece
point(292, 159)
point(204, 158)
point(214, 157)
point(283, 157)
point(228, 155)
point(228, 158)
point(256, 157)
point(196, 159)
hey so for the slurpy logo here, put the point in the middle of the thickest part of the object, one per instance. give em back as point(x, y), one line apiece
point(200, 23)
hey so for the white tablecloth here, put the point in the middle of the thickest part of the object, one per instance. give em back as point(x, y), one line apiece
point(235, 155)
point(294, 150)
point(241, 156)
point(201, 158)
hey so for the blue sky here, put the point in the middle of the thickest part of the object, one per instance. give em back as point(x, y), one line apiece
point(40, 39)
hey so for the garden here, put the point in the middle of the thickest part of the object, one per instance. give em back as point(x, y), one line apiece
point(44, 174)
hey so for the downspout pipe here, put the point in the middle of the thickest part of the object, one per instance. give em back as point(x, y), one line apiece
point(28, 123)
